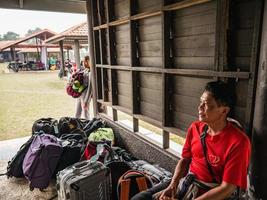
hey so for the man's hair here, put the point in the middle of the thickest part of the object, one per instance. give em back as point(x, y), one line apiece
point(222, 93)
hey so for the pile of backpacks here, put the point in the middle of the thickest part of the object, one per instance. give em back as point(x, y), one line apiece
point(81, 155)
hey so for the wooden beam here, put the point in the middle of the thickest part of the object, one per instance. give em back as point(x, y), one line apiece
point(92, 52)
point(146, 15)
point(254, 63)
point(184, 4)
point(193, 72)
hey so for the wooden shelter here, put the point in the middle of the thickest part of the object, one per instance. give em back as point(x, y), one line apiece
point(74, 36)
point(41, 48)
point(151, 60)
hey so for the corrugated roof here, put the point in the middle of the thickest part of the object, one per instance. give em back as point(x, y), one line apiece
point(79, 32)
point(42, 34)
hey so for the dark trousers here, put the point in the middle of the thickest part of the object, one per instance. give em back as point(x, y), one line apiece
point(148, 194)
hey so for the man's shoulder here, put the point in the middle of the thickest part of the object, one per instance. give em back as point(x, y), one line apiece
point(197, 126)
point(238, 134)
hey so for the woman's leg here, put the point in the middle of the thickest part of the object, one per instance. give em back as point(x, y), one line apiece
point(78, 108)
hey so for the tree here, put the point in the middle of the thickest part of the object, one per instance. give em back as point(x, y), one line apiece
point(31, 31)
point(10, 36)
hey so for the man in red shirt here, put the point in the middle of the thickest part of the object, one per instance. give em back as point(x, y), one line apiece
point(228, 148)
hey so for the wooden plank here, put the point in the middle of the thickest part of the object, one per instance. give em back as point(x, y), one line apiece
point(99, 83)
point(123, 109)
point(111, 10)
point(195, 52)
point(124, 101)
point(149, 120)
point(136, 92)
point(194, 30)
point(202, 8)
point(144, 6)
point(154, 28)
point(166, 140)
point(122, 9)
point(123, 61)
point(123, 47)
point(146, 15)
point(147, 69)
point(150, 80)
point(155, 47)
point(243, 63)
point(189, 86)
point(251, 95)
point(114, 88)
point(151, 95)
point(184, 4)
point(151, 110)
point(150, 36)
point(175, 131)
point(242, 92)
point(123, 77)
point(208, 73)
point(200, 19)
point(205, 63)
point(182, 120)
point(124, 89)
point(151, 61)
point(186, 104)
point(118, 22)
point(196, 41)
point(95, 14)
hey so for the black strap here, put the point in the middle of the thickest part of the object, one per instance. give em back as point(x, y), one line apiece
point(203, 142)
point(3, 174)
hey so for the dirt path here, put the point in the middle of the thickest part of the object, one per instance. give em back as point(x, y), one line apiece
point(18, 189)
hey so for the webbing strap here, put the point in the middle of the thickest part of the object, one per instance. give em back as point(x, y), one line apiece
point(125, 189)
point(141, 182)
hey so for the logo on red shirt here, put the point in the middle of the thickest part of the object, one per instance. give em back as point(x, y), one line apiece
point(213, 160)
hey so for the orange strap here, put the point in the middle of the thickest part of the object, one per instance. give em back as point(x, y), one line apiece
point(141, 182)
point(125, 189)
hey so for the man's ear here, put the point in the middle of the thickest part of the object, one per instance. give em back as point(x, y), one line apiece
point(225, 110)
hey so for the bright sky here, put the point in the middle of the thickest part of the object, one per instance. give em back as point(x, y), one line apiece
point(20, 21)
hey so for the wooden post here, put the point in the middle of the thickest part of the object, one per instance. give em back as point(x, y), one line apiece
point(77, 53)
point(257, 172)
point(89, 11)
point(62, 66)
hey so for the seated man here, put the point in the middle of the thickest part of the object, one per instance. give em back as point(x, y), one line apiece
point(227, 148)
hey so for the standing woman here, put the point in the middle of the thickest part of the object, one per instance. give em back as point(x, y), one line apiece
point(82, 104)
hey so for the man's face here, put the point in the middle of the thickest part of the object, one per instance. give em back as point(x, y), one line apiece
point(208, 110)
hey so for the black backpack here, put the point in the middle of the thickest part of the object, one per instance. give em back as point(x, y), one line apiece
point(47, 125)
point(67, 125)
point(73, 149)
point(14, 167)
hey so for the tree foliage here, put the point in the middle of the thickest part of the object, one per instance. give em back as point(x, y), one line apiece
point(10, 36)
point(31, 31)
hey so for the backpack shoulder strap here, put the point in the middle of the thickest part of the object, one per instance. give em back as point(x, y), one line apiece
point(141, 182)
point(125, 189)
point(204, 146)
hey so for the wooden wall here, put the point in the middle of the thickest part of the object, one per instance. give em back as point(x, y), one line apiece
point(154, 57)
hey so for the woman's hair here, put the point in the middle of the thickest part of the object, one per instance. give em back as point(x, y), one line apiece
point(86, 58)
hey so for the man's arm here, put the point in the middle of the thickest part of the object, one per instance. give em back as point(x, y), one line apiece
point(221, 192)
point(180, 171)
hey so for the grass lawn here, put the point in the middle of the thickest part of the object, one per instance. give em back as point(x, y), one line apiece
point(27, 96)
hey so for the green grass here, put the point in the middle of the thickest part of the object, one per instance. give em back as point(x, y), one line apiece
point(27, 96)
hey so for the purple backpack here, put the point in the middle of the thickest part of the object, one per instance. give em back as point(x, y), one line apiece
point(41, 160)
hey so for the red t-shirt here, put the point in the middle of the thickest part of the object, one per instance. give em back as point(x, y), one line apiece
point(228, 153)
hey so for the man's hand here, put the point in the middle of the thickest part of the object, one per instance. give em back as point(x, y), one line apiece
point(168, 193)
